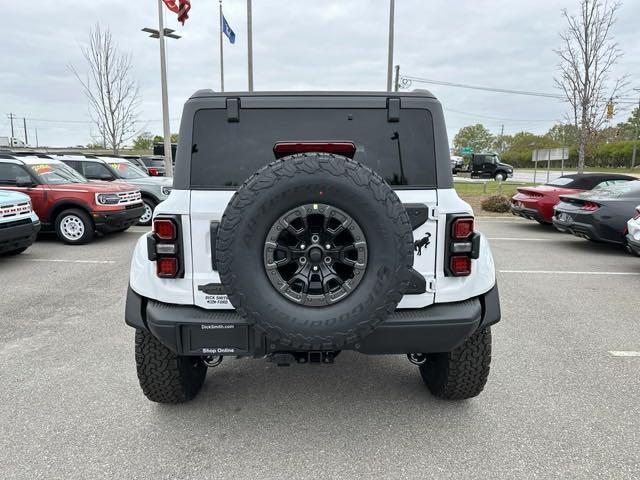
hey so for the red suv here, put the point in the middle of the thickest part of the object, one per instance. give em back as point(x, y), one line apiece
point(67, 202)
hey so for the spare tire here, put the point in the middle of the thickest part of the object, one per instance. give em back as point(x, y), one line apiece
point(313, 250)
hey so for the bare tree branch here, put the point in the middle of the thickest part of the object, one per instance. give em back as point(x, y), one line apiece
point(112, 94)
point(587, 56)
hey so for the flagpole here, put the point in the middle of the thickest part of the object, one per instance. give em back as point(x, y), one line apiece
point(250, 44)
point(390, 54)
point(221, 53)
point(168, 163)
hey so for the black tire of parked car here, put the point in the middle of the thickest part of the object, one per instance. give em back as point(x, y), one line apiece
point(461, 373)
point(287, 184)
point(148, 202)
point(164, 376)
point(88, 228)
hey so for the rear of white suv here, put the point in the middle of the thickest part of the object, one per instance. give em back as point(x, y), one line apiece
point(304, 224)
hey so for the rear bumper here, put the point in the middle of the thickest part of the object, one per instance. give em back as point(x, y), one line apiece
point(633, 244)
point(528, 213)
point(111, 221)
point(190, 330)
point(14, 235)
point(579, 229)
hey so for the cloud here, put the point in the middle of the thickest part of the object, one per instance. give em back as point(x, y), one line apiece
point(298, 45)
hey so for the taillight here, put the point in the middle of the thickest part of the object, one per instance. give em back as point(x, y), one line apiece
point(590, 206)
point(460, 265)
point(464, 245)
point(164, 229)
point(282, 149)
point(163, 245)
point(153, 171)
point(462, 228)
point(167, 267)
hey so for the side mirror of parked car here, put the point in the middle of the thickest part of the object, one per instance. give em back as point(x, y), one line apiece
point(24, 182)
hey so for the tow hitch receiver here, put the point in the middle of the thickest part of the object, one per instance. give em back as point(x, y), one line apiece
point(284, 359)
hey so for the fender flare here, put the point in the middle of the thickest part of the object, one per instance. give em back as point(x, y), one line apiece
point(64, 203)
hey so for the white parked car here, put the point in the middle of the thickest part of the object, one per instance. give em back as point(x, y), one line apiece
point(633, 233)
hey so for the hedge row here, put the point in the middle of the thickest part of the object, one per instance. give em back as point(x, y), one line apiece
point(615, 154)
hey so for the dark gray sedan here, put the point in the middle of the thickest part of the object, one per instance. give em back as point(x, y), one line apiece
point(599, 215)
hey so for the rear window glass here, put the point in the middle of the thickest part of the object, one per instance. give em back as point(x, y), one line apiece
point(226, 153)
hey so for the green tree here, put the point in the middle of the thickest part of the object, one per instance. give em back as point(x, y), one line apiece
point(629, 130)
point(563, 134)
point(160, 138)
point(144, 141)
point(474, 136)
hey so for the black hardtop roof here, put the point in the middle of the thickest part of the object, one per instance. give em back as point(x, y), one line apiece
point(602, 177)
point(415, 93)
point(588, 181)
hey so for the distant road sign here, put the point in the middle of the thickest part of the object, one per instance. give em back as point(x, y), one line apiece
point(466, 151)
point(550, 154)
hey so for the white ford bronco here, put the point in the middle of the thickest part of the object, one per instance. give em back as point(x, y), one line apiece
point(304, 224)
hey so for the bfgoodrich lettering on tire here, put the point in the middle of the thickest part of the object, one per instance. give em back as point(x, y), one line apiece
point(346, 263)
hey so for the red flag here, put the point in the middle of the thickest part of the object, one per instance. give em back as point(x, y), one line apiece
point(181, 7)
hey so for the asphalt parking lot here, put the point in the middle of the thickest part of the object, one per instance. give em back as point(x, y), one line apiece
point(558, 404)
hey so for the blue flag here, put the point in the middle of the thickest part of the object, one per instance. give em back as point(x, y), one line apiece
point(226, 29)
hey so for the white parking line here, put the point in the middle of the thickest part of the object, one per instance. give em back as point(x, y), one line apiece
point(623, 353)
point(60, 260)
point(564, 272)
point(516, 239)
point(482, 219)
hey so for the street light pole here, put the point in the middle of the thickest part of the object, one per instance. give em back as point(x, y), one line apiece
point(168, 162)
point(392, 4)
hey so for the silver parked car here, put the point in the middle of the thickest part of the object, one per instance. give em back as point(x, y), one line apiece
point(153, 189)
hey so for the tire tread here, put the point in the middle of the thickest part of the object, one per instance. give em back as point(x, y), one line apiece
point(461, 373)
point(164, 376)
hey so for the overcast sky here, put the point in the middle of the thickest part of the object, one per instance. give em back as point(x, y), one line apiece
point(298, 45)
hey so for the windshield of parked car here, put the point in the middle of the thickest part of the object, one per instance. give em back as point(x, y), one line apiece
point(127, 170)
point(56, 173)
point(560, 182)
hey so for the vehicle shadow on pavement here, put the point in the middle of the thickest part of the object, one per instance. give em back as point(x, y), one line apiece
point(587, 247)
point(356, 387)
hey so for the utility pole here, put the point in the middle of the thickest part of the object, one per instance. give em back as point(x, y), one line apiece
point(168, 161)
point(501, 136)
point(392, 8)
point(635, 135)
point(250, 45)
point(26, 138)
point(396, 83)
point(221, 53)
point(37, 144)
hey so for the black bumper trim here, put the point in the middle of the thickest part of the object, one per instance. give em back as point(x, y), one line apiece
point(578, 229)
point(633, 244)
point(528, 213)
point(186, 329)
point(18, 236)
point(110, 221)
